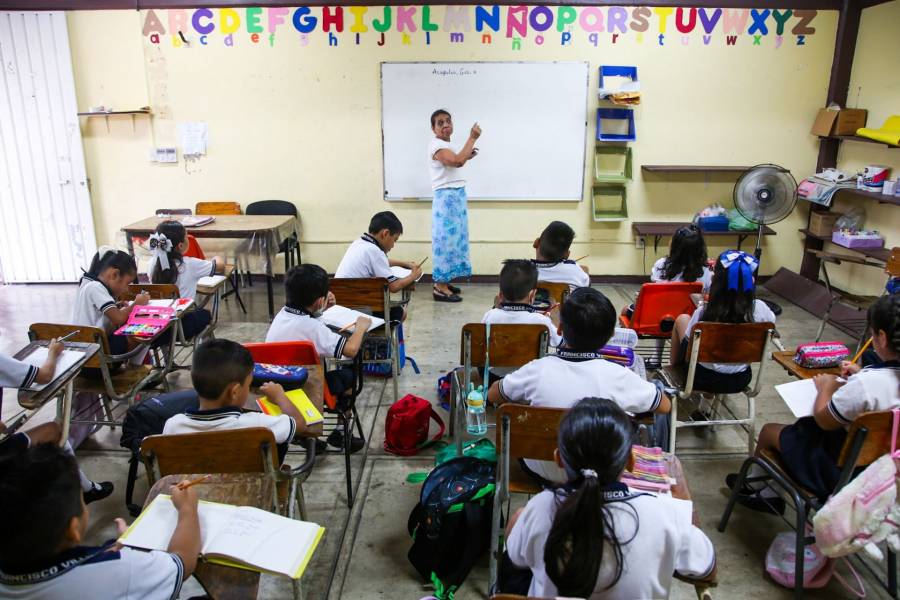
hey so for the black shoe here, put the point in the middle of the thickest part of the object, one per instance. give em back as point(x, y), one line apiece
point(442, 297)
point(321, 447)
point(772, 506)
point(454, 289)
point(731, 481)
point(336, 439)
point(98, 492)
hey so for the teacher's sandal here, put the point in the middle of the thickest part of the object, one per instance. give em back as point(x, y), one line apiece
point(443, 297)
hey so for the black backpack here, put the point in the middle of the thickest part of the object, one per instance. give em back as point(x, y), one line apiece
point(148, 418)
point(451, 524)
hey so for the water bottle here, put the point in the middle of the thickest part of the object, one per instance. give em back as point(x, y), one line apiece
point(476, 420)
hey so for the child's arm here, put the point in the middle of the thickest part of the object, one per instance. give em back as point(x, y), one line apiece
point(398, 284)
point(826, 386)
point(665, 404)
point(275, 393)
point(219, 263)
point(48, 369)
point(185, 540)
point(406, 264)
point(119, 316)
point(494, 396)
point(849, 368)
point(353, 344)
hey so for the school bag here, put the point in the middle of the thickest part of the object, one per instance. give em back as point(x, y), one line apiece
point(821, 355)
point(451, 524)
point(379, 348)
point(406, 425)
point(148, 418)
point(818, 569)
point(865, 511)
point(290, 377)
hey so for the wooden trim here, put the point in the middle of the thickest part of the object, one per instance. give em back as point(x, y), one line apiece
point(32, 5)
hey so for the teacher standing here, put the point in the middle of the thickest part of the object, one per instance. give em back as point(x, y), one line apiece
point(449, 215)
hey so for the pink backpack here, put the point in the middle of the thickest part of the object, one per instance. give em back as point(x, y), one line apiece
point(818, 569)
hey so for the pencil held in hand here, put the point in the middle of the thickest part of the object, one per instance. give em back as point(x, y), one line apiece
point(861, 350)
point(186, 484)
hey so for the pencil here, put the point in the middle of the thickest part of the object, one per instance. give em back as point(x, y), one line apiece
point(423, 261)
point(71, 333)
point(183, 486)
point(346, 327)
point(582, 258)
point(861, 350)
point(552, 307)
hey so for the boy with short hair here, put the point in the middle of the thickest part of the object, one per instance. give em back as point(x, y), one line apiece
point(368, 256)
point(221, 373)
point(42, 555)
point(306, 296)
point(587, 321)
point(552, 257)
point(518, 281)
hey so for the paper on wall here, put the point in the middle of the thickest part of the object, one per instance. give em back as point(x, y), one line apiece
point(194, 137)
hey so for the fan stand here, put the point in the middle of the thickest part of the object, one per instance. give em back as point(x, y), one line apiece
point(764, 196)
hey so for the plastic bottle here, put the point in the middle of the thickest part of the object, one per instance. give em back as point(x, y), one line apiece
point(476, 420)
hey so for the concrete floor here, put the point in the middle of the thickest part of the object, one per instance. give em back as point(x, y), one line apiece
point(363, 553)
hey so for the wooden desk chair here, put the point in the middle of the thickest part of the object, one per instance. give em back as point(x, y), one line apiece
point(555, 293)
point(858, 301)
point(522, 432)
point(235, 251)
point(655, 310)
point(304, 353)
point(170, 291)
point(734, 343)
point(218, 208)
point(119, 384)
point(372, 295)
point(157, 291)
point(511, 346)
point(173, 212)
point(194, 250)
point(868, 439)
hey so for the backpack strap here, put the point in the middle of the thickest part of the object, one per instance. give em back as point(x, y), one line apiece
point(896, 415)
point(487, 360)
point(435, 417)
point(476, 527)
point(133, 509)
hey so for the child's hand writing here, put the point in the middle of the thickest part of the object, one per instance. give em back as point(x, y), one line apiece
point(330, 301)
point(416, 271)
point(362, 323)
point(55, 348)
point(184, 498)
point(272, 390)
point(827, 383)
point(849, 368)
point(142, 299)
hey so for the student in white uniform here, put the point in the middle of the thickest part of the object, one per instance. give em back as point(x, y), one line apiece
point(518, 280)
point(732, 299)
point(594, 537)
point(552, 257)
point(42, 551)
point(307, 295)
point(170, 265)
point(809, 448)
point(221, 373)
point(587, 320)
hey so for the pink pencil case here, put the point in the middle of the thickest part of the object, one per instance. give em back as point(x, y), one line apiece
point(146, 321)
point(821, 355)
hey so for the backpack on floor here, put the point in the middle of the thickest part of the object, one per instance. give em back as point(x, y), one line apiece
point(148, 418)
point(406, 425)
point(379, 348)
point(451, 524)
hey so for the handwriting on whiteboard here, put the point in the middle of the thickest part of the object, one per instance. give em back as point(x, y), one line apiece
point(462, 72)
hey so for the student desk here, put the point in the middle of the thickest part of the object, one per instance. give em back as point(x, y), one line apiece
point(61, 387)
point(659, 230)
point(264, 234)
point(244, 489)
point(681, 491)
point(785, 358)
point(315, 391)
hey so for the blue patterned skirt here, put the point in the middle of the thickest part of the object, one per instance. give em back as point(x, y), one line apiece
point(450, 235)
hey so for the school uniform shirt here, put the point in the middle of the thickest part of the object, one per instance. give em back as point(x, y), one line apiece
point(443, 176)
point(189, 273)
point(365, 258)
point(99, 573)
point(562, 379)
point(228, 418)
point(296, 324)
point(661, 541)
point(15, 373)
point(658, 275)
point(521, 314)
point(94, 298)
point(564, 271)
point(761, 314)
point(875, 388)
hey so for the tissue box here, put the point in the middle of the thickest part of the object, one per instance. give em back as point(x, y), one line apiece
point(860, 239)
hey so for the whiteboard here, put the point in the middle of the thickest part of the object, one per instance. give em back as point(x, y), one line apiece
point(533, 116)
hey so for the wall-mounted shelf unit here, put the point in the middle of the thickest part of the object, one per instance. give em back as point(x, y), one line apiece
point(660, 229)
point(859, 138)
point(880, 254)
point(692, 169)
point(868, 195)
point(117, 113)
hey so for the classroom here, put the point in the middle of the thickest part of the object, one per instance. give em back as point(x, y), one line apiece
point(354, 301)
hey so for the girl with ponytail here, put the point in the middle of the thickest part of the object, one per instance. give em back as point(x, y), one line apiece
point(595, 538)
point(810, 447)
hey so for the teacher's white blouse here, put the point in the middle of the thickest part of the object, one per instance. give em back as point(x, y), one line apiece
point(443, 176)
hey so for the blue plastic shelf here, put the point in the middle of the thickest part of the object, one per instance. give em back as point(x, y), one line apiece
point(615, 114)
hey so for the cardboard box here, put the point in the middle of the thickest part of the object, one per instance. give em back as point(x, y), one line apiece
point(822, 223)
point(839, 122)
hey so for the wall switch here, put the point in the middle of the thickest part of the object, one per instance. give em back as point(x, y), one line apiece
point(639, 243)
point(164, 155)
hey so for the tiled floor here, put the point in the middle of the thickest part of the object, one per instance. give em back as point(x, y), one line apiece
point(363, 553)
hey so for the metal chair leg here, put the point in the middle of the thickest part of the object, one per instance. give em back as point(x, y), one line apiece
point(347, 431)
point(732, 498)
point(892, 573)
point(799, 550)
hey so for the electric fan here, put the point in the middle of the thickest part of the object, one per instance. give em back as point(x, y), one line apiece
point(765, 194)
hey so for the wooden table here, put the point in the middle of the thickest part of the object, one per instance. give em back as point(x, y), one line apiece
point(785, 358)
point(263, 231)
point(658, 230)
point(243, 489)
point(682, 491)
point(61, 386)
point(315, 391)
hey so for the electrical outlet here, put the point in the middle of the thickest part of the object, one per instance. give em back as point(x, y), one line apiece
point(639, 243)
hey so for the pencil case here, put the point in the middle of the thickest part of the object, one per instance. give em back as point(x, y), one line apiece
point(622, 355)
point(821, 355)
point(290, 377)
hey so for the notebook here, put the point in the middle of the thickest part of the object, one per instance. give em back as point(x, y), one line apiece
point(800, 396)
point(196, 221)
point(63, 363)
point(179, 304)
point(299, 399)
point(401, 272)
point(339, 317)
point(239, 536)
point(210, 281)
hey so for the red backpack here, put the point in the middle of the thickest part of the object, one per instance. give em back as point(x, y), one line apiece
point(406, 426)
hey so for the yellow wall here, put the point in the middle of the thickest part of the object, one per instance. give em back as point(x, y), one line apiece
point(302, 123)
point(874, 85)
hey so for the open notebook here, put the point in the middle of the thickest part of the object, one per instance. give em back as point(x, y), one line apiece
point(401, 272)
point(239, 536)
point(799, 395)
point(179, 304)
point(63, 363)
point(339, 317)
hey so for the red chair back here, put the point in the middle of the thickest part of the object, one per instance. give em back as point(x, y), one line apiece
point(290, 353)
point(659, 304)
point(194, 250)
